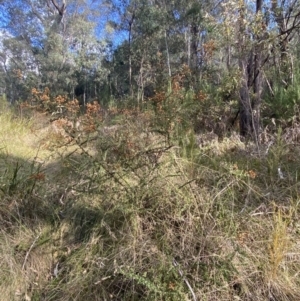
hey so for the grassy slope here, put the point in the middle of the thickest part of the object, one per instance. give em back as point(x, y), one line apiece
point(133, 216)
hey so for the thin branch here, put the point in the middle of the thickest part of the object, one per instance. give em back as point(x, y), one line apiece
point(28, 252)
point(61, 10)
point(175, 263)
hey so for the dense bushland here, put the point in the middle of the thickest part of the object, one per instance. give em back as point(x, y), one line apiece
point(149, 150)
point(139, 206)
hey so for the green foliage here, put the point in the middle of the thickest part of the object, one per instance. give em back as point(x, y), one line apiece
point(3, 104)
point(228, 90)
point(50, 52)
point(283, 105)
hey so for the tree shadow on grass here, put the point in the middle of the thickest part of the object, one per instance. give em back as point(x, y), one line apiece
point(35, 193)
point(22, 187)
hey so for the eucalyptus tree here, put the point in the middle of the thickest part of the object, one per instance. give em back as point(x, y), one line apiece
point(285, 15)
point(270, 30)
point(162, 36)
point(143, 22)
point(53, 42)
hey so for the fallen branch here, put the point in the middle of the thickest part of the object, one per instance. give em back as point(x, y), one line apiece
point(175, 263)
point(28, 252)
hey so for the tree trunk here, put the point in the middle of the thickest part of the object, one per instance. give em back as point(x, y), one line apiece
point(245, 102)
point(281, 21)
point(245, 67)
point(130, 55)
point(250, 67)
point(257, 83)
point(194, 47)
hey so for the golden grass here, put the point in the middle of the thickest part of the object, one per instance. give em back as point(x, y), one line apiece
point(25, 263)
point(136, 215)
point(18, 137)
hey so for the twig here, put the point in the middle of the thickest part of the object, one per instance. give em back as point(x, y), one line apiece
point(175, 263)
point(246, 200)
point(223, 190)
point(269, 86)
point(28, 252)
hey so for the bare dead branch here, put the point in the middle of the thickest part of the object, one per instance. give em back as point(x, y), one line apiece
point(61, 10)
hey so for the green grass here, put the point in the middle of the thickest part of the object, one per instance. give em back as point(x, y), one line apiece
point(139, 213)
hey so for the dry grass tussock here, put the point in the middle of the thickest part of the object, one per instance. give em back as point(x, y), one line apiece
point(133, 212)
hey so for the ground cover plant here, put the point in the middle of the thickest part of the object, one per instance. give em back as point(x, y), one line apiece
point(141, 206)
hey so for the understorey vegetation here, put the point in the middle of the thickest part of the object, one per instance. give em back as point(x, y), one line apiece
point(132, 204)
